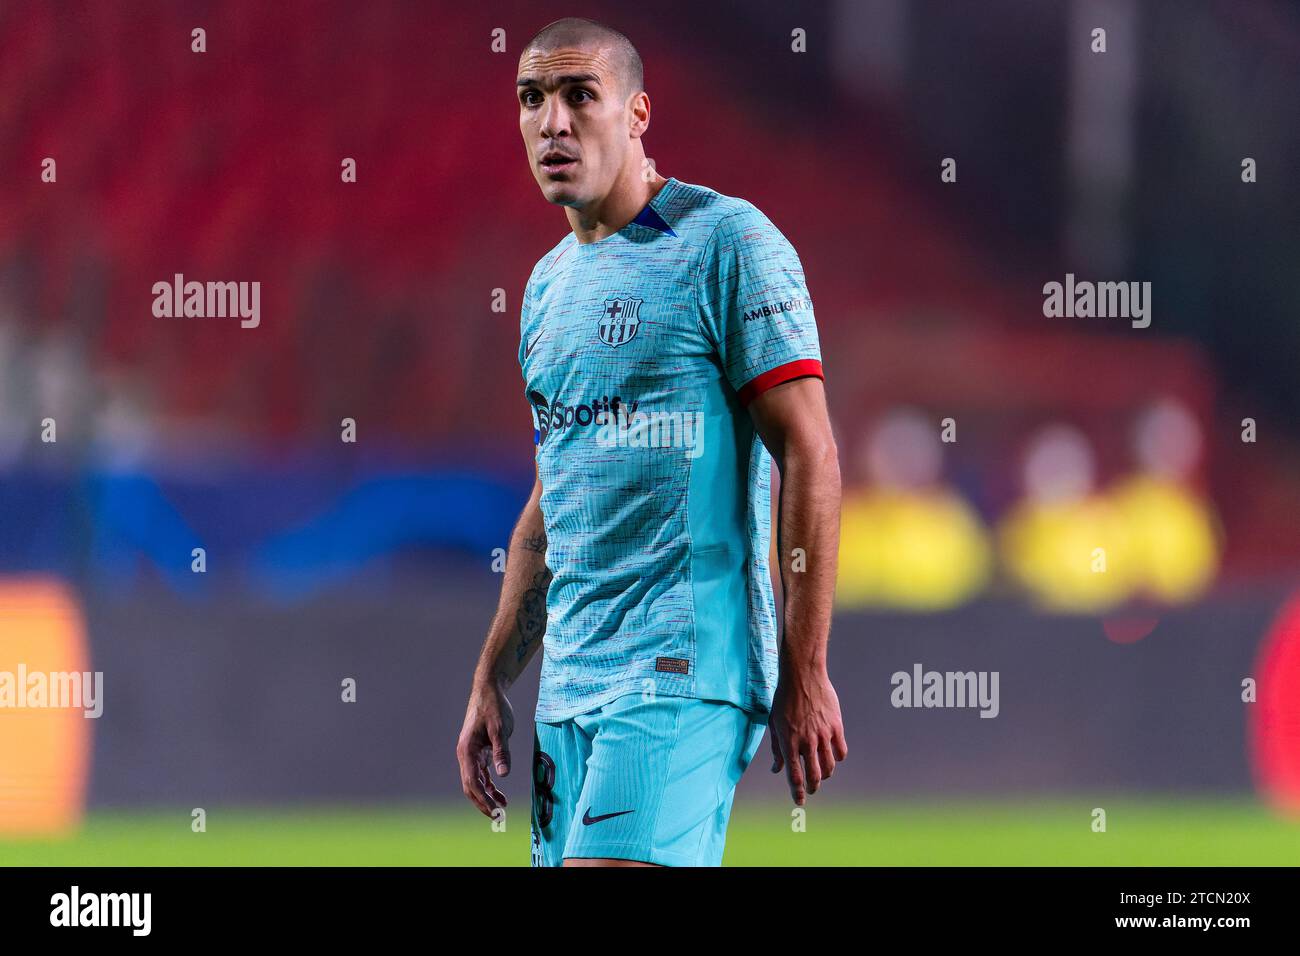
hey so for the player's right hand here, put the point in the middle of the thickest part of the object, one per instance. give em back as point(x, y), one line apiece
point(484, 746)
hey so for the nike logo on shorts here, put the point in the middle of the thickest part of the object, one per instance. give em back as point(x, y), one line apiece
point(588, 819)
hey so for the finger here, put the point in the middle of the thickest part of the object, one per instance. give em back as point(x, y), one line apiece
point(471, 787)
point(489, 787)
point(476, 782)
point(777, 760)
point(500, 749)
point(813, 768)
point(841, 745)
point(794, 773)
point(495, 797)
point(826, 757)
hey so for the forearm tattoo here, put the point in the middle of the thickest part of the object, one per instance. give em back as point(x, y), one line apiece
point(531, 619)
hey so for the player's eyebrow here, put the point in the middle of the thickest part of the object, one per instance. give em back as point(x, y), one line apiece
point(561, 80)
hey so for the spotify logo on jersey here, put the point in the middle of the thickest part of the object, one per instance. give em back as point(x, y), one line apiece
point(559, 416)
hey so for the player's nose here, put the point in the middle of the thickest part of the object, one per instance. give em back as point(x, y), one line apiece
point(555, 118)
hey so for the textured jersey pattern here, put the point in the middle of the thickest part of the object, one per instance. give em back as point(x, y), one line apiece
point(639, 353)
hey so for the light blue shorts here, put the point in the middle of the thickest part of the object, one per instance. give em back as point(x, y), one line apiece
point(648, 780)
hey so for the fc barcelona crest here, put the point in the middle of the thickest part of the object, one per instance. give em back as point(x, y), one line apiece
point(619, 321)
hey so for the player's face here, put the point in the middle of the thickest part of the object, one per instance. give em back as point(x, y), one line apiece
point(574, 121)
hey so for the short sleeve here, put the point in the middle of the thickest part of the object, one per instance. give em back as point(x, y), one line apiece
point(525, 311)
point(754, 305)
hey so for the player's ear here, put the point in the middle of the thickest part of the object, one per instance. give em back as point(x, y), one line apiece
point(639, 114)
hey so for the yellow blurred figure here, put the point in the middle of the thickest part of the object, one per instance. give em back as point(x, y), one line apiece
point(1073, 556)
point(907, 541)
point(1174, 533)
point(922, 551)
point(1175, 548)
point(1063, 543)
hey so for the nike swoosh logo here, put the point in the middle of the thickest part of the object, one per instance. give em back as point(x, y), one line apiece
point(588, 819)
point(528, 349)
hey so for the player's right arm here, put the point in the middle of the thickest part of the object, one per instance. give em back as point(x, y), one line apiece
point(513, 638)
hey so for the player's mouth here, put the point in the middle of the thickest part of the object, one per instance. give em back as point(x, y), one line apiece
point(553, 162)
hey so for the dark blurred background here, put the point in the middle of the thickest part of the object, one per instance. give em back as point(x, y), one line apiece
point(987, 450)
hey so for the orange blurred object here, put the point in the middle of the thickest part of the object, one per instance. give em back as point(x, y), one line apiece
point(44, 751)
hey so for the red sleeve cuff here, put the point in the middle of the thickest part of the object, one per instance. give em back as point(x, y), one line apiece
point(800, 368)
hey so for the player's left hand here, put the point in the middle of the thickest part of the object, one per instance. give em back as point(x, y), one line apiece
point(807, 731)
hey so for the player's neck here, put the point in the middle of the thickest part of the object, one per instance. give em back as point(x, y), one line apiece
point(620, 206)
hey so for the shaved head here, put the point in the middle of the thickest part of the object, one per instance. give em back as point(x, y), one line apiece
point(582, 112)
point(583, 34)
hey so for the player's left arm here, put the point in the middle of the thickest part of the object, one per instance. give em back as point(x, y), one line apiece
point(806, 728)
point(756, 312)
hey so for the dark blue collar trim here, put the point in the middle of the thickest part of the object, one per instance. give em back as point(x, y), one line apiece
point(648, 217)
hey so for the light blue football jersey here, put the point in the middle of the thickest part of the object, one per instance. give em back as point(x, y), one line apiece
point(639, 354)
